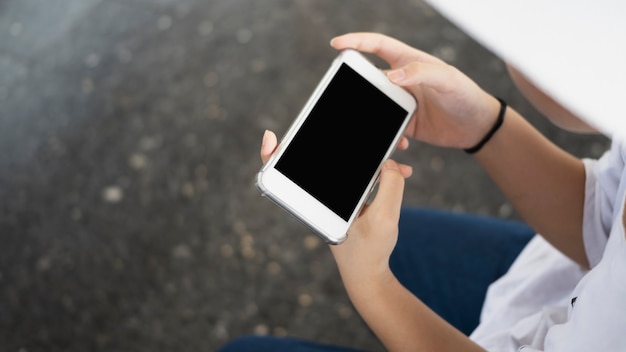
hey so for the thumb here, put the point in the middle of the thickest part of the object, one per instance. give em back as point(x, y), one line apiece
point(436, 76)
point(268, 145)
point(388, 200)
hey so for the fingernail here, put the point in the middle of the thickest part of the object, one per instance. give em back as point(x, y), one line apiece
point(396, 75)
point(264, 137)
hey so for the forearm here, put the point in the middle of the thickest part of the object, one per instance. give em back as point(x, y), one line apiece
point(401, 321)
point(544, 183)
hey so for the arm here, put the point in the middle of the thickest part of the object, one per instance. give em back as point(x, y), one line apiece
point(545, 184)
point(399, 319)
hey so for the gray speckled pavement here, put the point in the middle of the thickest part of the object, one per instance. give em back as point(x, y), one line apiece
point(129, 135)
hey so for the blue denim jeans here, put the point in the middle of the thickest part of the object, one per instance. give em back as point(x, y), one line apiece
point(446, 259)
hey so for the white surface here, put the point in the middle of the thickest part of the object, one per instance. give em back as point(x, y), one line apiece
point(574, 50)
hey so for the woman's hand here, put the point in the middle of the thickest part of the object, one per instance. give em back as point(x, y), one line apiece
point(364, 255)
point(363, 258)
point(453, 111)
point(397, 317)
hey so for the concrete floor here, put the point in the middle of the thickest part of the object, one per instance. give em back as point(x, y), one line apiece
point(129, 135)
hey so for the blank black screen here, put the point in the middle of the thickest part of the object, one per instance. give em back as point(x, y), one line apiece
point(340, 145)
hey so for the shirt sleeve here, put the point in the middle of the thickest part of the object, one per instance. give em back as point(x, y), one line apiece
point(601, 185)
point(595, 319)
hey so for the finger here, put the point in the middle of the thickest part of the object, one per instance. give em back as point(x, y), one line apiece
point(403, 144)
point(268, 145)
point(388, 200)
point(393, 51)
point(405, 170)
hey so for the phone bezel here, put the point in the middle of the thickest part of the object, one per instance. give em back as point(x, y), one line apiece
point(284, 192)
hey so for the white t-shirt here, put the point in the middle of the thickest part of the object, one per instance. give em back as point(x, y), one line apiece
point(546, 302)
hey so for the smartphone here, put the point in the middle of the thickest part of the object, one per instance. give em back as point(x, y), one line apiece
point(329, 159)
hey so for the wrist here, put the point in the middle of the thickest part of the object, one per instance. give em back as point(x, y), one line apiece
point(368, 285)
point(494, 127)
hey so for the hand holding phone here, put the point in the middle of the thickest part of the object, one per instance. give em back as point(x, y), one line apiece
point(328, 162)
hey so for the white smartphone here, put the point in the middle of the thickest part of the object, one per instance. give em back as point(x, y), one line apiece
point(329, 160)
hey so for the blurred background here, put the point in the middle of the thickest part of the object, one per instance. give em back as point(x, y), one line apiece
point(129, 137)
